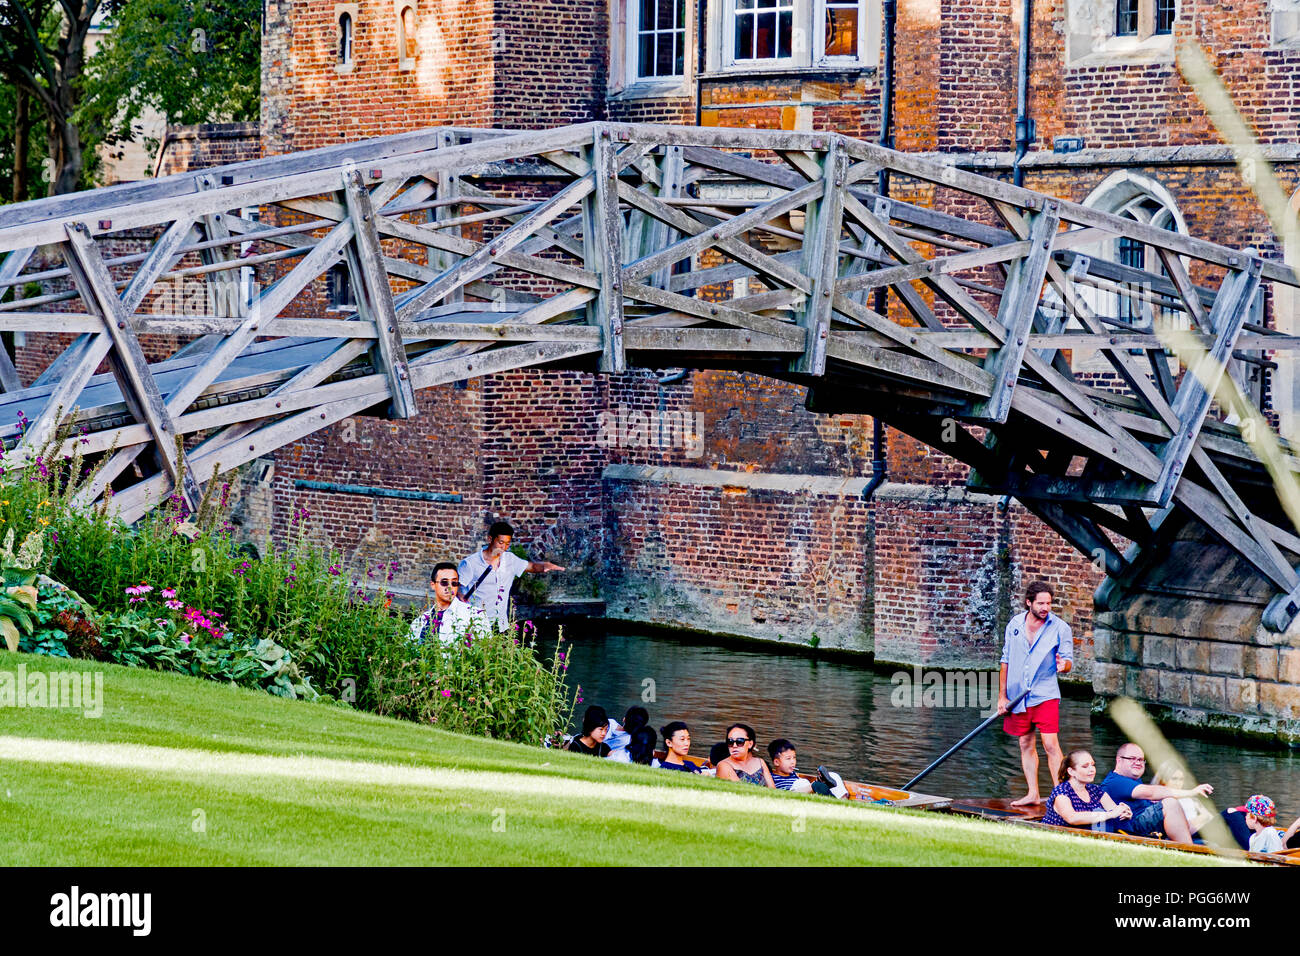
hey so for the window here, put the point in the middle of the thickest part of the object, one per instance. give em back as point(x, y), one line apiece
point(1131, 253)
point(338, 285)
point(764, 30)
point(1141, 199)
point(1285, 15)
point(1166, 11)
point(1126, 18)
point(843, 25)
point(793, 34)
point(345, 39)
point(406, 34)
point(660, 38)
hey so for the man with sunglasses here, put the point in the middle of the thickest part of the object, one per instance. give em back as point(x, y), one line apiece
point(448, 618)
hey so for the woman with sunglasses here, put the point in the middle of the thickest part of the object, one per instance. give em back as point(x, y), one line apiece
point(741, 764)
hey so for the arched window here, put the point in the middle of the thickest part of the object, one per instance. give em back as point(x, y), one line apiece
point(345, 39)
point(406, 34)
point(1130, 301)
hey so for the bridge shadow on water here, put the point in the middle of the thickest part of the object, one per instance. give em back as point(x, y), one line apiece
point(845, 717)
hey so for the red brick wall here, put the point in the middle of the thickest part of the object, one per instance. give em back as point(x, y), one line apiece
point(718, 558)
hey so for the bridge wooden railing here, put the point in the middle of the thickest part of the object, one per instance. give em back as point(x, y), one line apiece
point(609, 246)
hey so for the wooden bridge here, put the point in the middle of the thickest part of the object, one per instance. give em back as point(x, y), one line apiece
point(605, 246)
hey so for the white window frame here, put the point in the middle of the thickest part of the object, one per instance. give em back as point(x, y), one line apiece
point(865, 34)
point(632, 47)
point(1092, 40)
point(808, 42)
point(796, 23)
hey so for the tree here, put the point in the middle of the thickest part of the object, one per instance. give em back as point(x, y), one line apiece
point(194, 62)
point(43, 54)
point(191, 60)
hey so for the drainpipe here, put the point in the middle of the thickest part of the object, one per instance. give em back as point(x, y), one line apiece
point(699, 60)
point(1024, 125)
point(880, 450)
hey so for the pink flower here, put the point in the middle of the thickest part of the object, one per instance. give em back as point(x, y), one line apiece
point(185, 639)
point(169, 592)
point(175, 605)
point(446, 693)
point(139, 589)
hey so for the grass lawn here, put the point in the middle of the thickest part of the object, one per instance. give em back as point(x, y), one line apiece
point(180, 771)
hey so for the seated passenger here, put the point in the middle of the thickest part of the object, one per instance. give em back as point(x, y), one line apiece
point(642, 748)
point(1155, 809)
point(741, 764)
point(620, 735)
point(784, 776)
point(1261, 814)
point(718, 753)
point(1078, 802)
point(677, 741)
point(595, 725)
point(1171, 775)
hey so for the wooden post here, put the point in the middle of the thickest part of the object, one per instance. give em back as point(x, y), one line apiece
point(375, 295)
point(602, 251)
point(823, 223)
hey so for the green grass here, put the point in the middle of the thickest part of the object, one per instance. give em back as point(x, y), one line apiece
point(180, 771)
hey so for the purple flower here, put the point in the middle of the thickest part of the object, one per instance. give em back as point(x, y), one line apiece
point(175, 605)
point(169, 592)
point(335, 570)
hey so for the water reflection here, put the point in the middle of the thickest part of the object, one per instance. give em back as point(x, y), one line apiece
point(842, 716)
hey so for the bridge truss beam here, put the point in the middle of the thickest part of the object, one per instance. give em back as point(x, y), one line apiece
point(609, 246)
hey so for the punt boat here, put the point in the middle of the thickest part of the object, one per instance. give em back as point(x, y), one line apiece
point(1003, 811)
point(867, 792)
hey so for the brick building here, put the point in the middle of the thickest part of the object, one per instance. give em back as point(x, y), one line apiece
point(758, 526)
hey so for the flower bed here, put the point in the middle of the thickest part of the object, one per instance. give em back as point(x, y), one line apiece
point(176, 591)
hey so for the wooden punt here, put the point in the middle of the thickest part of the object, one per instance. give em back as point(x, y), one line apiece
point(1002, 811)
point(866, 792)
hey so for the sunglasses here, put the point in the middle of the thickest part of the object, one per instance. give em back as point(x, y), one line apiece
point(449, 583)
point(737, 741)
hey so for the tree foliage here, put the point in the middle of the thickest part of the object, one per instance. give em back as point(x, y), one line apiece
point(192, 61)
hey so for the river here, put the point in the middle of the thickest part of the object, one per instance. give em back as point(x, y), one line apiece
point(862, 722)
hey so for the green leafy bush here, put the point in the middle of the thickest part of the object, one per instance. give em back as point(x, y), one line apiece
point(177, 592)
point(492, 683)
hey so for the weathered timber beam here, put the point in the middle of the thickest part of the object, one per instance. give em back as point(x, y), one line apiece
point(375, 295)
point(1200, 384)
point(1016, 314)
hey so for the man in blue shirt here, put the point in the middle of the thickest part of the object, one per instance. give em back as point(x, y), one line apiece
point(1156, 809)
point(1036, 647)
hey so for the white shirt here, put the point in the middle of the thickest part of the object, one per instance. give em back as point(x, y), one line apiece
point(1267, 840)
point(456, 621)
point(492, 597)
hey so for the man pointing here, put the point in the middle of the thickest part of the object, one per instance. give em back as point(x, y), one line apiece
point(487, 576)
point(1037, 646)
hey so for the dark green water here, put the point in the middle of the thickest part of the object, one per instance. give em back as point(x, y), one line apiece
point(846, 718)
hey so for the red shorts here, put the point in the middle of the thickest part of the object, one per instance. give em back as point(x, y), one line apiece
point(1045, 716)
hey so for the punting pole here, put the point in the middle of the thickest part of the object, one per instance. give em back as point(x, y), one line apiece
point(963, 742)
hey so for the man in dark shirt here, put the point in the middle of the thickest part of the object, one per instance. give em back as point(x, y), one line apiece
point(1155, 809)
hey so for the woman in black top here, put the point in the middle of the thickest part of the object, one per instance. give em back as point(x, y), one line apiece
point(595, 725)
